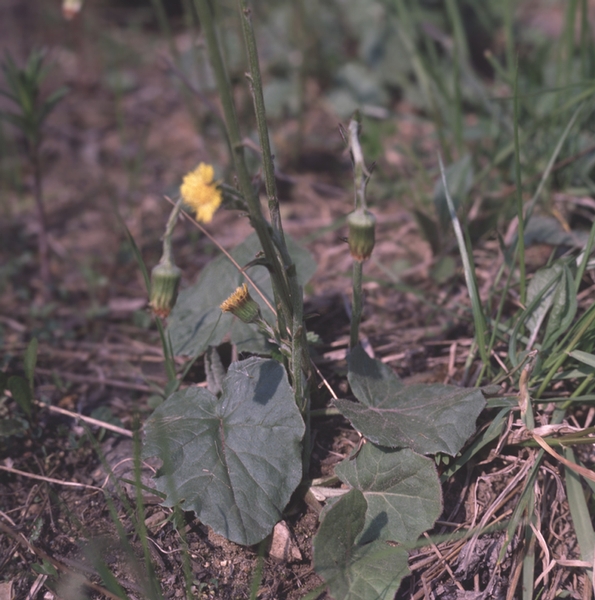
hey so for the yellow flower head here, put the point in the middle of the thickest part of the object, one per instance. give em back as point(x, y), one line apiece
point(241, 304)
point(201, 193)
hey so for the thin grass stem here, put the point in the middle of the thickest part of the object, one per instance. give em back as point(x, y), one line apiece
point(583, 258)
point(478, 316)
point(519, 194)
point(583, 326)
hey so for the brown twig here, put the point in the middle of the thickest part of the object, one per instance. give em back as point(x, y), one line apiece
point(49, 479)
point(90, 420)
point(88, 379)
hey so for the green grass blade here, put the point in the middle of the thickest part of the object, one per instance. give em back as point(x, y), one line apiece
point(529, 558)
point(522, 503)
point(560, 355)
point(29, 361)
point(584, 357)
point(579, 512)
point(552, 161)
point(478, 316)
point(137, 255)
point(583, 258)
point(519, 192)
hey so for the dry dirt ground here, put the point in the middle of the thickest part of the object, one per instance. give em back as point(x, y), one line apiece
point(119, 141)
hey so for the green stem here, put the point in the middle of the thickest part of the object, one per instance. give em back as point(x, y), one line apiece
point(359, 184)
point(356, 310)
point(42, 236)
point(519, 191)
point(170, 365)
point(461, 54)
point(257, 219)
point(407, 31)
point(294, 316)
point(563, 355)
point(268, 162)
point(261, 121)
point(169, 228)
point(359, 169)
point(507, 7)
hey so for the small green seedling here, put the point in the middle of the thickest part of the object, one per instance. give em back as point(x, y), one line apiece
point(29, 115)
point(22, 391)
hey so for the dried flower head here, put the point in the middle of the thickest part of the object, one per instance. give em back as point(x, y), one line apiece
point(242, 305)
point(201, 193)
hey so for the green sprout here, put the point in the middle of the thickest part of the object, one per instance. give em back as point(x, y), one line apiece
point(24, 90)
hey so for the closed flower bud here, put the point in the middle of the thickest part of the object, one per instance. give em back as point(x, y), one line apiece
point(362, 226)
point(165, 279)
point(242, 305)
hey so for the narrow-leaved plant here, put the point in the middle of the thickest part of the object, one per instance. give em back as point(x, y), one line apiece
point(29, 114)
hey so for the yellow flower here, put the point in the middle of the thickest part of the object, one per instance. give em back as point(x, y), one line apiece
point(200, 192)
point(241, 304)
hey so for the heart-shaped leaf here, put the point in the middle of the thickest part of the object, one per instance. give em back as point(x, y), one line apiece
point(196, 321)
point(234, 460)
point(401, 488)
point(426, 418)
point(356, 572)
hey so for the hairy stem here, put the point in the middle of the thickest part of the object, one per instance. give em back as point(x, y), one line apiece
point(169, 229)
point(356, 310)
point(359, 184)
point(299, 347)
point(257, 219)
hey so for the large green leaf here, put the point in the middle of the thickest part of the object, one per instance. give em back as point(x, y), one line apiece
point(402, 490)
point(352, 571)
point(234, 460)
point(426, 418)
point(196, 320)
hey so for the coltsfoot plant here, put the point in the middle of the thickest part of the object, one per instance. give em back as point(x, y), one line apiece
point(236, 452)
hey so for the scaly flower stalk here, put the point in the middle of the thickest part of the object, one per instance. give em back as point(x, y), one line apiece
point(362, 225)
point(261, 226)
point(165, 276)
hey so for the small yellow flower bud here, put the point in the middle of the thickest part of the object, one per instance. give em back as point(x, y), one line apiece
point(242, 305)
point(362, 226)
point(165, 279)
point(201, 193)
